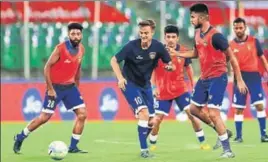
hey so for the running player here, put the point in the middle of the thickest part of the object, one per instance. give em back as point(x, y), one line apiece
point(247, 50)
point(212, 49)
point(171, 86)
point(62, 75)
point(140, 57)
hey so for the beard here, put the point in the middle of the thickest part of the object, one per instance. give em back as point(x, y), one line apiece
point(198, 26)
point(75, 43)
point(240, 35)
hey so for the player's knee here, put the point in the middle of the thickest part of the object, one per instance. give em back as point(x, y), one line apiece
point(214, 114)
point(82, 116)
point(189, 115)
point(239, 111)
point(143, 114)
point(44, 117)
point(158, 119)
point(259, 107)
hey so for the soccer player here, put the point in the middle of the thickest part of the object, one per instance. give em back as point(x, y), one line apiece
point(171, 86)
point(212, 49)
point(62, 75)
point(247, 50)
point(140, 57)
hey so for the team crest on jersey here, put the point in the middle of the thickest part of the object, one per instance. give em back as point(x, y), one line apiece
point(152, 55)
point(249, 47)
point(205, 43)
point(236, 50)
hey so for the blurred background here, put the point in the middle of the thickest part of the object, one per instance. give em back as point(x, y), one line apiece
point(30, 30)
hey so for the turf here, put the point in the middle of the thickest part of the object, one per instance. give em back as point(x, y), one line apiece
point(117, 142)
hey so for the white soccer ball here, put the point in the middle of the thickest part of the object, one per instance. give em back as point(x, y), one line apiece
point(57, 150)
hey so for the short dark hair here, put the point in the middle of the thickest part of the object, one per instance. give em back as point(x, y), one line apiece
point(199, 8)
point(171, 29)
point(239, 20)
point(148, 22)
point(75, 25)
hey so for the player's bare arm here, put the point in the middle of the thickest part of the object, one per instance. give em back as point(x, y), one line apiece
point(240, 82)
point(54, 57)
point(77, 76)
point(153, 82)
point(185, 54)
point(190, 74)
point(264, 62)
point(116, 68)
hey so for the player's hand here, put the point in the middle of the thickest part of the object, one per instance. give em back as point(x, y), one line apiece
point(171, 51)
point(242, 87)
point(122, 83)
point(170, 67)
point(51, 93)
point(156, 92)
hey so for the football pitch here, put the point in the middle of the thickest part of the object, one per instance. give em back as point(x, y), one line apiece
point(117, 142)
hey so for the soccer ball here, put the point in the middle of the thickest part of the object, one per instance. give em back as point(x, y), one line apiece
point(57, 150)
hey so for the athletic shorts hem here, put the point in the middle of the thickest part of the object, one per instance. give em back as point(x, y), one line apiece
point(197, 104)
point(78, 106)
point(257, 103)
point(161, 112)
point(213, 106)
point(48, 111)
point(238, 106)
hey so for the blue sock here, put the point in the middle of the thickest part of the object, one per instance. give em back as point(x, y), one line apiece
point(74, 140)
point(238, 125)
point(261, 115)
point(225, 142)
point(142, 130)
point(200, 135)
point(24, 133)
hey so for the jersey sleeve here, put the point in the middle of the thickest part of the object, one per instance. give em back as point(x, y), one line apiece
point(258, 47)
point(187, 62)
point(219, 42)
point(164, 55)
point(122, 54)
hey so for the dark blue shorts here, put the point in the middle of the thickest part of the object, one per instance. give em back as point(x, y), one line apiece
point(163, 106)
point(210, 91)
point(68, 94)
point(139, 98)
point(254, 84)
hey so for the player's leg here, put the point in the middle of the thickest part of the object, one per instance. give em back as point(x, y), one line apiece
point(74, 101)
point(216, 94)
point(134, 97)
point(239, 103)
point(199, 100)
point(257, 100)
point(162, 108)
point(49, 106)
point(183, 103)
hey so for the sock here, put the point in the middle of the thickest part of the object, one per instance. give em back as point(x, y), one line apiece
point(142, 130)
point(74, 140)
point(153, 138)
point(238, 125)
point(200, 135)
point(24, 133)
point(261, 115)
point(225, 142)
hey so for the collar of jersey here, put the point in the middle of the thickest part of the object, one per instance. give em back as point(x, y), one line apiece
point(241, 41)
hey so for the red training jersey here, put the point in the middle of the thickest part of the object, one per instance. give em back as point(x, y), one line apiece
point(212, 61)
point(171, 84)
point(65, 69)
point(246, 54)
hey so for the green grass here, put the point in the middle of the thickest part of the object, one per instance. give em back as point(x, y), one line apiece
point(117, 142)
